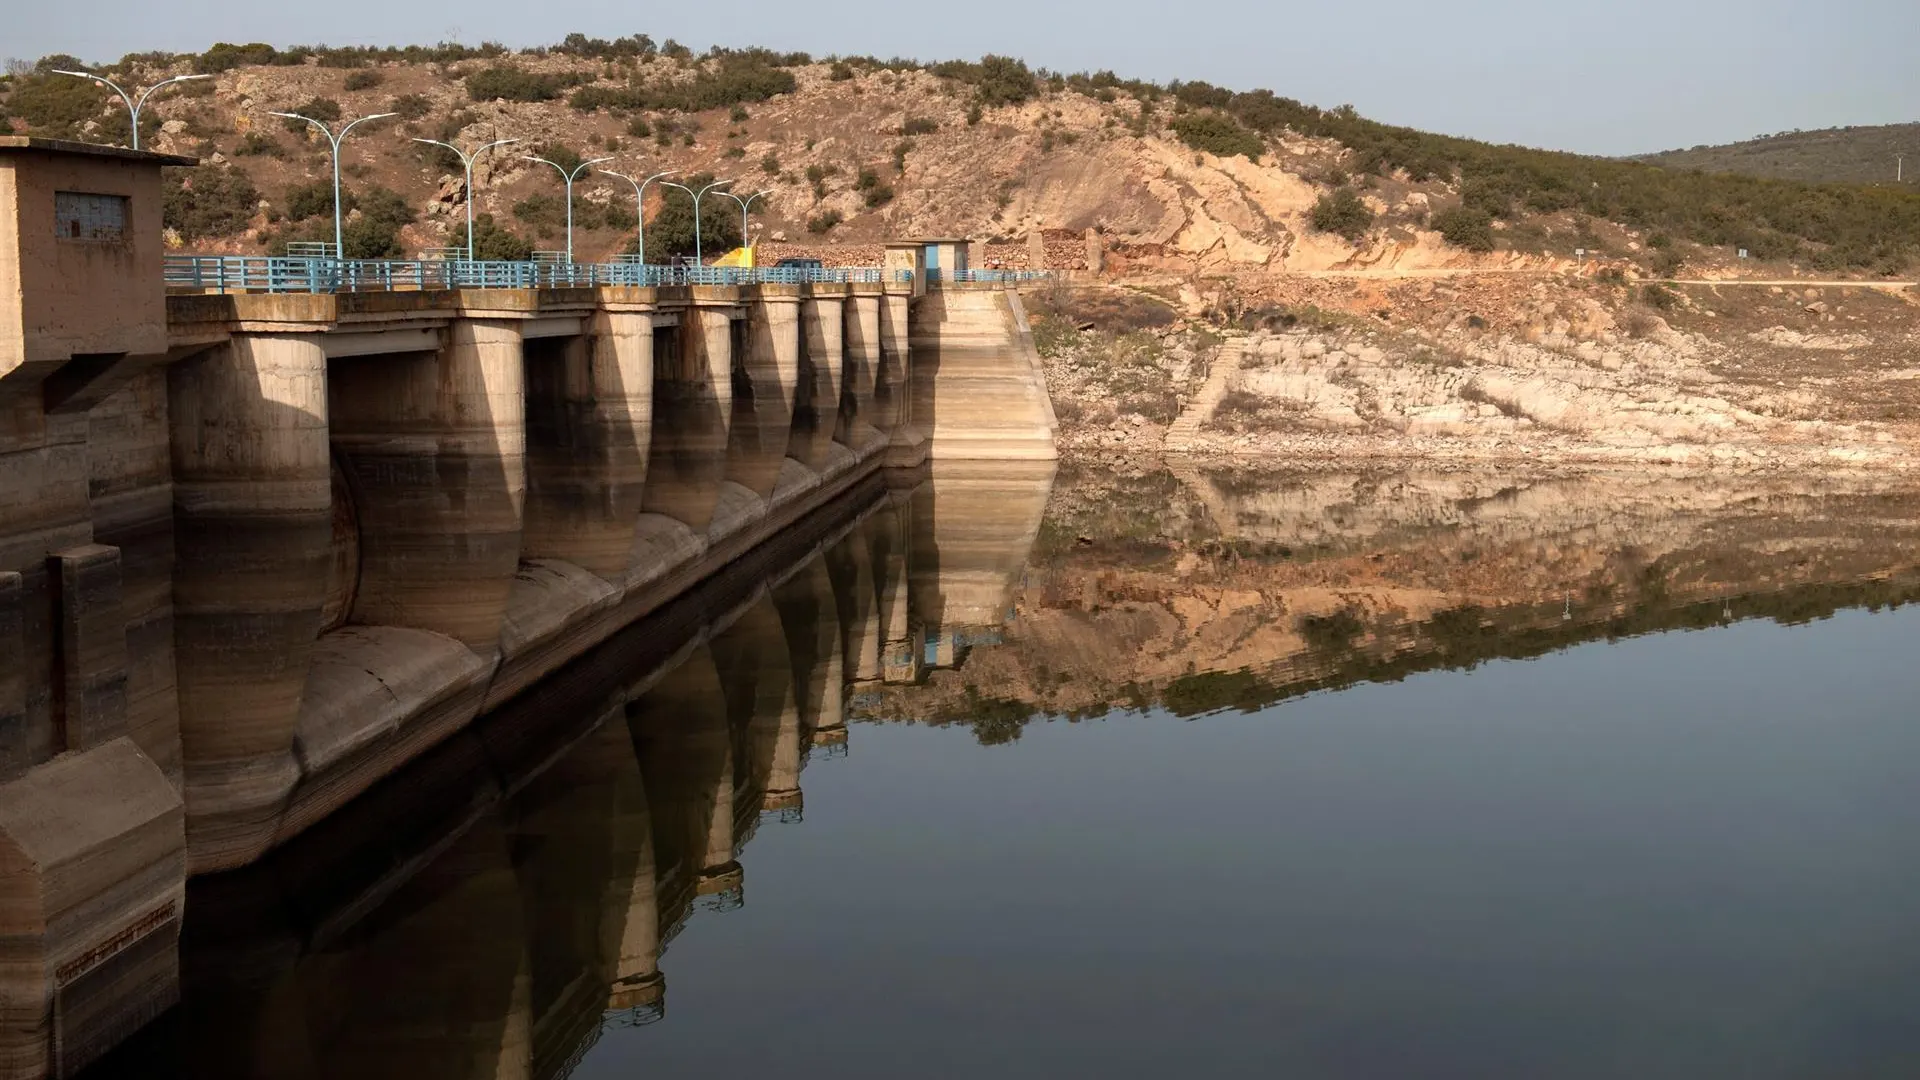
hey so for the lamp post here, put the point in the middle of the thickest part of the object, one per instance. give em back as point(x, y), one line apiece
point(569, 177)
point(333, 142)
point(699, 258)
point(640, 204)
point(744, 203)
point(134, 105)
point(466, 160)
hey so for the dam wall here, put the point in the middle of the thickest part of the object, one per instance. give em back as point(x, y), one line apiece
point(260, 550)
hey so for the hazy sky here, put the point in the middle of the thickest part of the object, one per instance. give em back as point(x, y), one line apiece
point(1601, 76)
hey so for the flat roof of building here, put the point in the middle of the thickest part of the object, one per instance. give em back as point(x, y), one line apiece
point(17, 143)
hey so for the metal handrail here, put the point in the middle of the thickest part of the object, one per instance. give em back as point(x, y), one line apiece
point(321, 274)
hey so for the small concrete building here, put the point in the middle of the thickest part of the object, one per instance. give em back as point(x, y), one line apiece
point(92, 847)
point(931, 260)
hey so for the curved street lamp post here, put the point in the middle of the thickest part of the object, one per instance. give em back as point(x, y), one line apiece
point(640, 204)
point(744, 203)
point(134, 105)
point(333, 142)
point(569, 177)
point(698, 258)
point(466, 160)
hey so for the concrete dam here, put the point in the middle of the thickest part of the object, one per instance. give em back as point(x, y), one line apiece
point(261, 550)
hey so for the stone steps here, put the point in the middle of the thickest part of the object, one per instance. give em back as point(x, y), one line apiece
point(1219, 377)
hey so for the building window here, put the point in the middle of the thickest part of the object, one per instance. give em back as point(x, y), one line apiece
point(81, 215)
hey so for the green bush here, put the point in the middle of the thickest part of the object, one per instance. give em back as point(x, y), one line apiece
point(325, 110)
point(900, 152)
point(633, 47)
point(370, 239)
point(639, 128)
point(410, 106)
point(738, 114)
point(670, 231)
point(1218, 134)
point(303, 201)
point(1465, 228)
point(259, 144)
point(226, 57)
point(387, 207)
point(770, 165)
point(564, 156)
point(207, 201)
point(510, 83)
point(57, 105)
point(493, 243)
point(1668, 263)
point(919, 125)
point(996, 80)
point(841, 71)
point(542, 211)
point(362, 80)
point(319, 108)
point(877, 196)
point(824, 222)
point(733, 80)
point(613, 215)
point(1342, 213)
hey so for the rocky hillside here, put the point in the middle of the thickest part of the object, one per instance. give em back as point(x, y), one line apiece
point(1473, 369)
point(1845, 155)
point(1184, 177)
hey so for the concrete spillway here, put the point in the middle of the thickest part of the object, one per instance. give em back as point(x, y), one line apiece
point(259, 551)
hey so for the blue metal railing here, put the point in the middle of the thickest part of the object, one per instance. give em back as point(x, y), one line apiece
point(994, 277)
point(309, 274)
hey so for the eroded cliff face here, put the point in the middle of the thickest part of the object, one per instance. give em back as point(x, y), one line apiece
point(1197, 589)
point(1482, 370)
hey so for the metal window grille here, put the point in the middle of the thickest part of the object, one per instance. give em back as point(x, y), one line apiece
point(81, 215)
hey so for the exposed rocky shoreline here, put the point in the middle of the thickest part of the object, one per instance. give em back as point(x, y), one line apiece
point(1556, 379)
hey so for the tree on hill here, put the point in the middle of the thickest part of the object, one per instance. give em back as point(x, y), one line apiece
point(1217, 133)
point(207, 201)
point(670, 231)
point(491, 242)
point(1343, 213)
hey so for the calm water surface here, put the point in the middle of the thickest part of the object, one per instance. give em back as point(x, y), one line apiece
point(1175, 773)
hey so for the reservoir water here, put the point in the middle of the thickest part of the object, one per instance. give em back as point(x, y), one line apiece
point(1172, 771)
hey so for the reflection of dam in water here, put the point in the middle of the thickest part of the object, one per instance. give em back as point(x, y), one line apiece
point(1199, 588)
point(503, 904)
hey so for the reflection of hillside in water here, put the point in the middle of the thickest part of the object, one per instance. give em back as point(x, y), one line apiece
point(1201, 590)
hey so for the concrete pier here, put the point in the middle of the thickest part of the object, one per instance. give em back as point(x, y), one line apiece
point(253, 530)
